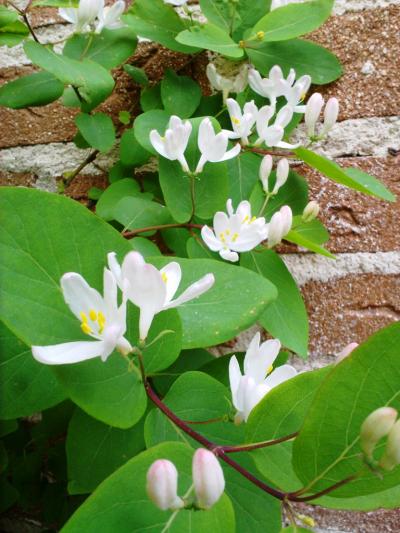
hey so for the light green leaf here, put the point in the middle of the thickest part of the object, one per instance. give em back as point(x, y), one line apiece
point(218, 12)
point(313, 231)
point(135, 212)
point(286, 317)
point(304, 56)
point(293, 20)
point(180, 95)
point(13, 33)
point(328, 447)
point(55, 3)
point(121, 503)
point(36, 89)
point(96, 450)
point(26, 386)
point(109, 48)
point(131, 152)
point(350, 177)
point(212, 38)
point(250, 12)
point(113, 194)
point(97, 129)
point(242, 176)
point(158, 22)
point(299, 239)
point(7, 16)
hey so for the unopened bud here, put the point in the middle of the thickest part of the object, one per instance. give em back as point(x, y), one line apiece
point(310, 212)
point(307, 520)
point(260, 35)
point(208, 478)
point(331, 114)
point(287, 217)
point(284, 116)
point(162, 485)
point(391, 457)
point(313, 110)
point(265, 171)
point(279, 225)
point(376, 426)
point(282, 173)
point(346, 351)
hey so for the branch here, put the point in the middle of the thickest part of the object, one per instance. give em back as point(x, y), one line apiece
point(294, 495)
point(130, 234)
point(257, 445)
point(90, 158)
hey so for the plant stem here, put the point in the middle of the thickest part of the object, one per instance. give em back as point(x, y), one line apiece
point(295, 496)
point(257, 445)
point(267, 197)
point(130, 234)
point(269, 152)
point(90, 158)
point(192, 195)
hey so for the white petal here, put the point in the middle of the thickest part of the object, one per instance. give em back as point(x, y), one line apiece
point(210, 239)
point(233, 152)
point(235, 376)
point(228, 255)
point(79, 296)
point(115, 268)
point(68, 352)
point(110, 293)
point(193, 291)
point(279, 375)
point(172, 277)
point(205, 136)
point(70, 14)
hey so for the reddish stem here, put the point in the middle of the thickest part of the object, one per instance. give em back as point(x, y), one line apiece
point(130, 234)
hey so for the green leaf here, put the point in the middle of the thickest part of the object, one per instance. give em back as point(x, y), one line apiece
point(137, 74)
point(304, 56)
point(121, 503)
point(194, 396)
point(97, 129)
point(250, 12)
point(93, 82)
point(350, 177)
point(150, 98)
point(27, 386)
point(233, 304)
point(286, 317)
point(282, 412)
point(130, 151)
point(293, 20)
point(218, 12)
point(36, 89)
point(109, 48)
point(7, 16)
point(105, 207)
point(298, 238)
point(55, 3)
point(212, 38)
point(180, 95)
point(242, 176)
point(144, 246)
point(313, 231)
point(96, 450)
point(385, 499)
point(7, 427)
point(156, 119)
point(13, 33)
point(328, 447)
point(134, 212)
point(158, 22)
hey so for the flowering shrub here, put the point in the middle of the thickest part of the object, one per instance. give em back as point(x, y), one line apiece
point(106, 315)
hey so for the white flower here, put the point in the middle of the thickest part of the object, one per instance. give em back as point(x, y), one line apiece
point(310, 211)
point(151, 289)
point(162, 485)
point(282, 173)
point(84, 15)
point(296, 93)
point(100, 318)
point(265, 171)
point(175, 2)
point(273, 86)
point(233, 83)
point(208, 478)
point(174, 143)
point(376, 426)
point(279, 225)
point(258, 378)
point(313, 110)
point(242, 123)
point(213, 146)
point(272, 135)
point(110, 17)
point(235, 232)
point(275, 4)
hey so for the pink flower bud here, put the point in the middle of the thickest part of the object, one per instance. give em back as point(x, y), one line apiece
point(208, 478)
point(391, 457)
point(346, 351)
point(313, 110)
point(331, 114)
point(265, 171)
point(376, 426)
point(282, 173)
point(162, 485)
point(310, 212)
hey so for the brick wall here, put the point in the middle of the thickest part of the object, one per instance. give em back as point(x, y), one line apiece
point(347, 299)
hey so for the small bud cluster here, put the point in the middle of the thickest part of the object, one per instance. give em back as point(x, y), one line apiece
point(208, 482)
point(313, 111)
point(379, 424)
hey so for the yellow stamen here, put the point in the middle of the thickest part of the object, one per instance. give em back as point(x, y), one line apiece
point(92, 314)
point(303, 96)
point(164, 277)
point(83, 316)
point(252, 220)
point(101, 320)
point(86, 328)
point(235, 237)
point(235, 120)
point(228, 231)
point(222, 237)
point(270, 369)
point(246, 218)
point(260, 35)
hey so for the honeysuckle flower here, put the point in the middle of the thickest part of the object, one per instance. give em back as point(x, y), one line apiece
point(162, 485)
point(231, 82)
point(272, 135)
point(175, 2)
point(296, 93)
point(242, 123)
point(100, 318)
point(208, 478)
point(279, 225)
point(259, 376)
point(282, 173)
point(310, 211)
point(213, 146)
point(273, 86)
point(151, 289)
point(313, 110)
point(110, 17)
point(265, 171)
point(234, 232)
point(391, 456)
point(275, 4)
point(84, 15)
point(173, 144)
point(376, 426)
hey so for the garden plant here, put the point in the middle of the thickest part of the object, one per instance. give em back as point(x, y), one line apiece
point(114, 415)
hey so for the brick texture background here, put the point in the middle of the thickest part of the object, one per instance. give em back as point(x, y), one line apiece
point(346, 301)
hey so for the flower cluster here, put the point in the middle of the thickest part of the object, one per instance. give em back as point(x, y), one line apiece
point(92, 14)
point(150, 289)
point(208, 482)
point(259, 377)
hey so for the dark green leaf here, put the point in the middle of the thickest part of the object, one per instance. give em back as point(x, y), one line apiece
point(130, 151)
point(36, 89)
point(13, 33)
point(242, 176)
point(137, 74)
point(150, 98)
point(155, 119)
point(136, 212)
point(97, 129)
point(113, 194)
point(212, 38)
point(180, 95)
point(298, 238)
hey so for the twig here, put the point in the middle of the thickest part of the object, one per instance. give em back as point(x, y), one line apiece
point(130, 234)
point(90, 158)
